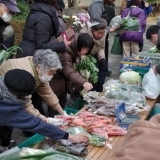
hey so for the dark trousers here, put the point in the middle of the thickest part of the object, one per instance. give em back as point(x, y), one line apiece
point(103, 72)
point(140, 47)
point(5, 135)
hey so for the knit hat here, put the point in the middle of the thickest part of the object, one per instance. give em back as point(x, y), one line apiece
point(20, 82)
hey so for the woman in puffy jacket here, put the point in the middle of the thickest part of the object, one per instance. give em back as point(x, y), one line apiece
point(41, 25)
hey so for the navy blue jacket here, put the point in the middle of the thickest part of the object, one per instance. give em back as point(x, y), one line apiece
point(14, 115)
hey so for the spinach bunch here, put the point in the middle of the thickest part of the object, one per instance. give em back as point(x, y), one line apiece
point(89, 64)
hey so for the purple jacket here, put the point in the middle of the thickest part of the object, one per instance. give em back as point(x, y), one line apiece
point(135, 36)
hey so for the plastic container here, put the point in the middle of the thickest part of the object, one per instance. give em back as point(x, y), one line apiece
point(141, 71)
point(32, 141)
point(124, 119)
point(75, 106)
point(155, 57)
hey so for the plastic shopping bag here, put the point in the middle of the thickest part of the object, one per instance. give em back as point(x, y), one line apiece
point(151, 84)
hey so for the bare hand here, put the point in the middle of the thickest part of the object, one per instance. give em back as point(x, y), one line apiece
point(67, 43)
point(81, 137)
point(87, 86)
point(146, 5)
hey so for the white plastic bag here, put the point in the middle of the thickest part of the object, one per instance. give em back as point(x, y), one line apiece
point(151, 84)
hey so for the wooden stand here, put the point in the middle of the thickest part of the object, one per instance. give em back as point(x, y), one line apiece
point(103, 153)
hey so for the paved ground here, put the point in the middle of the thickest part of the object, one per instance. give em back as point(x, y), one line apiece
point(114, 63)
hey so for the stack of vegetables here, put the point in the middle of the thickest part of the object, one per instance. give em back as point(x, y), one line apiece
point(93, 124)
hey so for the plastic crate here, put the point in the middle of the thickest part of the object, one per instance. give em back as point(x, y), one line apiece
point(141, 71)
point(75, 106)
point(155, 57)
point(135, 62)
point(32, 141)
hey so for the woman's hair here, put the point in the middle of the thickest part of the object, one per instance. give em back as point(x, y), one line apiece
point(102, 24)
point(51, 2)
point(47, 59)
point(85, 40)
point(135, 2)
point(154, 29)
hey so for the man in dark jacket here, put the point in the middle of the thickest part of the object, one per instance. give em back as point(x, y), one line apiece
point(41, 24)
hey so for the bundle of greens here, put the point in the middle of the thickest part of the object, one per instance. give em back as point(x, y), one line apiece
point(97, 140)
point(6, 53)
point(126, 24)
point(89, 64)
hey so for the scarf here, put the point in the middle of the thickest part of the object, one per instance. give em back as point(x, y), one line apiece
point(6, 94)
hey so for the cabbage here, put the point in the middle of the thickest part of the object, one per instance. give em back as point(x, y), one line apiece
point(130, 77)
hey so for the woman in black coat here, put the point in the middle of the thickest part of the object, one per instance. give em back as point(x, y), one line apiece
point(41, 24)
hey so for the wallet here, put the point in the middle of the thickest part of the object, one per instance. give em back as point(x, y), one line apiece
point(69, 33)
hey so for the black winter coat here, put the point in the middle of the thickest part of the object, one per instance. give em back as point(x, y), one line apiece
point(41, 24)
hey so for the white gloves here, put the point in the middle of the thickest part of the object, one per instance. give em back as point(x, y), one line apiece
point(65, 113)
point(54, 121)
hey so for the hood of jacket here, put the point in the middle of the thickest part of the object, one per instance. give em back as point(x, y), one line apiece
point(43, 8)
point(134, 11)
point(48, 9)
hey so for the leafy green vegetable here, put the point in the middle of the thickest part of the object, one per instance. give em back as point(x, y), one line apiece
point(97, 140)
point(89, 64)
point(153, 50)
point(6, 53)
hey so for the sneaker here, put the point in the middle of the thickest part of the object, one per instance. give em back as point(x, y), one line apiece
point(3, 149)
point(12, 143)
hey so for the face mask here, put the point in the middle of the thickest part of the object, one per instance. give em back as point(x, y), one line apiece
point(45, 78)
point(6, 16)
point(28, 97)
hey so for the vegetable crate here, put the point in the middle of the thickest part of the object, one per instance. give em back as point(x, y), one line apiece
point(135, 62)
point(32, 141)
point(75, 106)
point(155, 57)
point(141, 71)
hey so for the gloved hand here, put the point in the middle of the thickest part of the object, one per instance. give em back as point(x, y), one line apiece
point(65, 113)
point(54, 121)
point(102, 63)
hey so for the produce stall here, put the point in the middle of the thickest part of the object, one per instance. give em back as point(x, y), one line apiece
point(94, 152)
